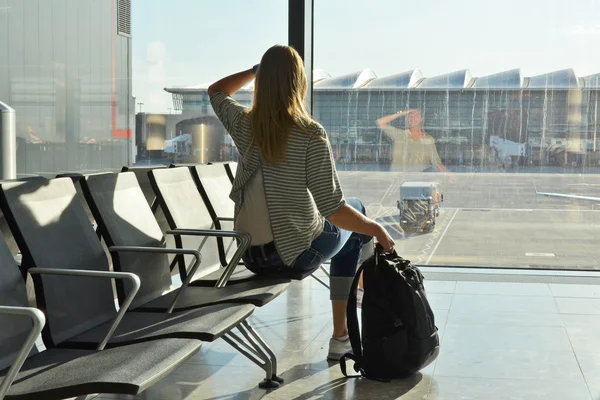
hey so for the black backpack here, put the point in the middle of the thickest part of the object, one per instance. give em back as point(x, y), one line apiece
point(399, 336)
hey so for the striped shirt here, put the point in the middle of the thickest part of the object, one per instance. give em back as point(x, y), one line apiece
point(301, 191)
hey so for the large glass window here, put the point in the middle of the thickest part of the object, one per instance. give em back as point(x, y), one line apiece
point(65, 68)
point(179, 49)
point(451, 119)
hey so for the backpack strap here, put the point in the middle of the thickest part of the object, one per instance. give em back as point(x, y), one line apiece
point(353, 330)
point(351, 356)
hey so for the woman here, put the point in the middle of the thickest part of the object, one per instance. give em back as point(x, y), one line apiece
point(414, 149)
point(286, 190)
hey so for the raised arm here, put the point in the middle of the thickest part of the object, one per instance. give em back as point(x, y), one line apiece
point(232, 83)
point(229, 111)
point(384, 121)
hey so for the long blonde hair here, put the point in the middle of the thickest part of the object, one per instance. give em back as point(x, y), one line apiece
point(279, 92)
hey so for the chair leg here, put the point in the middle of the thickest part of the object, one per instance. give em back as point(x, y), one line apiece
point(247, 350)
point(325, 271)
point(250, 346)
point(266, 348)
point(321, 281)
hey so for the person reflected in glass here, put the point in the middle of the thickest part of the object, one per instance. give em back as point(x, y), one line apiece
point(286, 189)
point(413, 149)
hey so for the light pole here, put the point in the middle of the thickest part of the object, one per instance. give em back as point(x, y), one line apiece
point(140, 104)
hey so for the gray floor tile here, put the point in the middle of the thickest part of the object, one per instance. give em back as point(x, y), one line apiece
point(440, 301)
point(220, 353)
point(584, 339)
point(440, 286)
point(314, 357)
point(441, 318)
point(583, 331)
point(564, 290)
point(589, 322)
point(327, 331)
point(297, 301)
point(291, 327)
point(524, 304)
point(452, 388)
point(497, 363)
point(202, 382)
point(589, 362)
point(594, 387)
point(499, 341)
point(567, 305)
point(507, 352)
point(503, 288)
point(509, 338)
point(330, 384)
point(502, 318)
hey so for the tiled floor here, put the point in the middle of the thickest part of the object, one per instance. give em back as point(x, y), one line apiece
point(500, 341)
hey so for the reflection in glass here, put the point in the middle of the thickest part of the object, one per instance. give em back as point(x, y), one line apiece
point(69, 84)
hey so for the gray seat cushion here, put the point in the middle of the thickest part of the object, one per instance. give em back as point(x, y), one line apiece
point(61, 373)
point(256, 292)
point(206, 324)
point(241, 274)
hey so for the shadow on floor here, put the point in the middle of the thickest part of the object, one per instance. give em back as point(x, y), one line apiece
point(303, 383)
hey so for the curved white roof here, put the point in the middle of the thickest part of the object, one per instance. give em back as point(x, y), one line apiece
point(403, 80)
point(456, 79)
point(506, 79)
point(350, 81)
point(562, 79)
point(413, 79)
point(592, 81)
point(319, 75)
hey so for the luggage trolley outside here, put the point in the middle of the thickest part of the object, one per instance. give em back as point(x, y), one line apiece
point(419, 205)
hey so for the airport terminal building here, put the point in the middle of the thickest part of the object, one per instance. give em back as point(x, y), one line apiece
point(550, 119)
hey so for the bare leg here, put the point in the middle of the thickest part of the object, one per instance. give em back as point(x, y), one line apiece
point(340, 329)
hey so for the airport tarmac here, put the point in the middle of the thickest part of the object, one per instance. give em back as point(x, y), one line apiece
point(492, 219)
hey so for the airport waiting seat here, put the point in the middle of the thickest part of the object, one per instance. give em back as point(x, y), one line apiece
point(223, 217)
point(186, 209)
point(4, 228)
point(125, 220)
point(52, 229)
point(230, 168)
point(141, 173)
point(29, 374)
point(75, 177)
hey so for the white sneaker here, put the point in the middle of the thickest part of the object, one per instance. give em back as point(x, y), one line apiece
point(338, 347)
point(359, 297)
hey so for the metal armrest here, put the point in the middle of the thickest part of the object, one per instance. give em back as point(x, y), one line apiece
point(166, 250)
point(39, 320)
point(245, 240)
point(206, 232)
point(135, 280)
